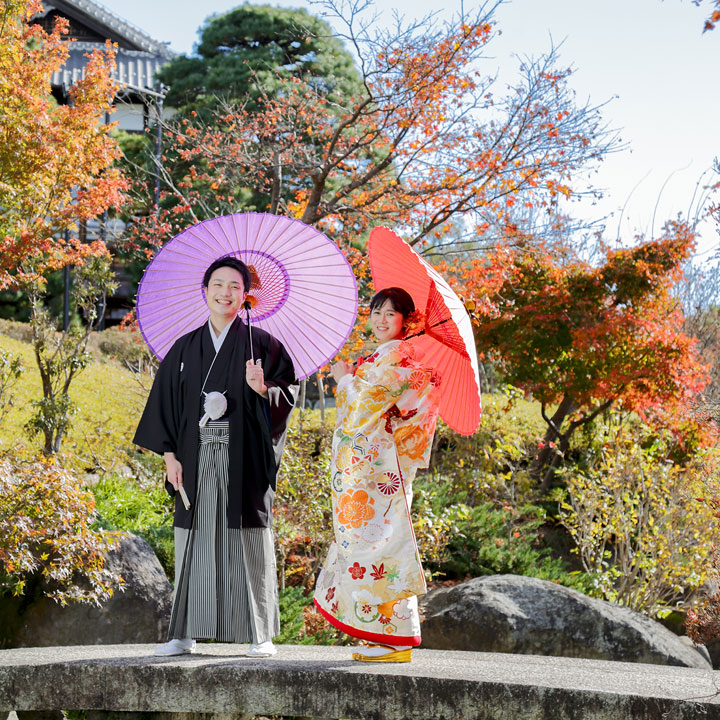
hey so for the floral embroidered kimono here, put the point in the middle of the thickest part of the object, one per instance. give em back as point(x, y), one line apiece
point(386, 416)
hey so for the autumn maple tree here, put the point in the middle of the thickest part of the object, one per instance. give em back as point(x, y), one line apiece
point(580, 338)
point(56, 170)
point(47, 539)
point(426, 141)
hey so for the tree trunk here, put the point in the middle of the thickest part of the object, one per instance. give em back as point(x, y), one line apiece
point(564, 446)
point(550, 456)
point(276, 183)
point(321, 397)
point(301, 402)
point(48, 446)
point(547, 452)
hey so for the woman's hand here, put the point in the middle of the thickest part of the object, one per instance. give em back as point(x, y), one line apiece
point(174, 470)
point(255, 377)
point(340, 369)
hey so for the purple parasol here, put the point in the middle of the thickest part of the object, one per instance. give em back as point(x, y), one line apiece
point(303, 287)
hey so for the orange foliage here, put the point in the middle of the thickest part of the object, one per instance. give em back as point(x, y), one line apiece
point(55, 161)
point(714, 16)
point(46, 533)
point(595, 332)
point(586, 337)
point(424, 143)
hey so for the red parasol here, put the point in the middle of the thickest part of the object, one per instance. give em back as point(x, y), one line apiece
point(447, 342)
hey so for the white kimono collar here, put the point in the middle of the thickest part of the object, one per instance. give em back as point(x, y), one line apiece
point(218, 339)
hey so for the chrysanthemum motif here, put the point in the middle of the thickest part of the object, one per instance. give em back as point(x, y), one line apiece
point(365, 612)
point(418, 379)
point(344, 458)
point(337, 482)
point(389, 485)
point(376, 531)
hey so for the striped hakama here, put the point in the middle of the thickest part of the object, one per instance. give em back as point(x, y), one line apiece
point(225, 578)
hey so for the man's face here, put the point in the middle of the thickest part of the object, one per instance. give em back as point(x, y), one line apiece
point(225, 294)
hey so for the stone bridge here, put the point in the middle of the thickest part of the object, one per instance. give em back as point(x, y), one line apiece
point(127, 682)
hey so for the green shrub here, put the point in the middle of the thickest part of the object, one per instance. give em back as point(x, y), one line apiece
point(637, 516)
point(20, 331)
point(301, 624)
point(127, 347)
point(142, 509)
point(11, 369)
point(486, 539)
point(492, 463)
point(302, 513)
point(476, 512)
point(292, 604)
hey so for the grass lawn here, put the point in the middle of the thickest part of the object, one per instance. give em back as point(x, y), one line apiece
point(108, 402)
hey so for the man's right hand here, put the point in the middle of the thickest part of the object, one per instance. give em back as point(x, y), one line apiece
point(174, 470)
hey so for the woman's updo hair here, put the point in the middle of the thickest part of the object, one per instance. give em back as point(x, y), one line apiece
point(400, 299)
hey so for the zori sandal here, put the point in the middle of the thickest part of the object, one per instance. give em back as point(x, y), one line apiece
point(392, 654)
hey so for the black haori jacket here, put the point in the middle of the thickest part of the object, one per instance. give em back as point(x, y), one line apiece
point(258, 427)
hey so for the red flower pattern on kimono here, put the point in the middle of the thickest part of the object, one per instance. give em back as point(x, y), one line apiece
point(357, 571)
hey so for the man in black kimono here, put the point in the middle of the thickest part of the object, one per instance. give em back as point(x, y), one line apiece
point(226, 462)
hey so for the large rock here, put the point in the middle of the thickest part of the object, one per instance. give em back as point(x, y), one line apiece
point(139, 613)
point(516, 614)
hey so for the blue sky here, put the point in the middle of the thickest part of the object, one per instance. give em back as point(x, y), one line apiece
point(649, 59)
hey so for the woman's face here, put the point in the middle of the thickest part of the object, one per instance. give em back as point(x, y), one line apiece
point(386, 322)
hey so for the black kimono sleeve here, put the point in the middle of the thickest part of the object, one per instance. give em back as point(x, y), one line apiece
point(159, 426)
point(282, 386)
point(283, 389)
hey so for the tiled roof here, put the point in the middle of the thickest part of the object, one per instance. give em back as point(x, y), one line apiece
point(138, 57)
point(99, 18)
point(133, 67)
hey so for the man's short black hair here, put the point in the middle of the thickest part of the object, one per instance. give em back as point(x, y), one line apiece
point(231, 262)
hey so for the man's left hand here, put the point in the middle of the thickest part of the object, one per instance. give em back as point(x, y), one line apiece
point(255, 377)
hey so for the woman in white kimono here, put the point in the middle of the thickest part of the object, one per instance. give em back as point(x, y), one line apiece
point(387, 407)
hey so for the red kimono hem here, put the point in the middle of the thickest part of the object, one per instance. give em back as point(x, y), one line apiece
point(413, 641)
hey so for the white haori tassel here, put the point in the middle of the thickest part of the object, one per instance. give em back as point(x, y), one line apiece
point(215, 407)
